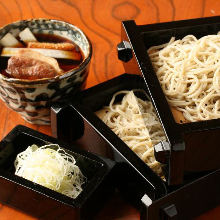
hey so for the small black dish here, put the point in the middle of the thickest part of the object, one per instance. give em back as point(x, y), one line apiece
point(42, 202)
point(187, 143)
point(78, 123)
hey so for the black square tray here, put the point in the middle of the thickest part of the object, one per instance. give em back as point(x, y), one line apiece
point(186, 141)
point(77, 123)
point(42, 202)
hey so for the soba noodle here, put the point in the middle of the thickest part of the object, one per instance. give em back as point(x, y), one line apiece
point(189, 74)
point(136, 123)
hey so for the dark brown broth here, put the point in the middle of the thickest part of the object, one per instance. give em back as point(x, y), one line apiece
point(65, 64)
point(3, 66)
point(52, 38)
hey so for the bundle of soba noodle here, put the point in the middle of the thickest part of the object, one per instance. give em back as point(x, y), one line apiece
point(189, 73)
point(136, 123)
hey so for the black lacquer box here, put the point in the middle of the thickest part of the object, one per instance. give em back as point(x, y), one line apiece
point(78, 123)
point(192, 175)
point(193, 147)
point(42, 202)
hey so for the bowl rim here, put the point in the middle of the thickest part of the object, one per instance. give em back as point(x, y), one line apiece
point(67, 74)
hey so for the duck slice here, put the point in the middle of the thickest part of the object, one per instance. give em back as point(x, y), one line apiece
point(32, 65)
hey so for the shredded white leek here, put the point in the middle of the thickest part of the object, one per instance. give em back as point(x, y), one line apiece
point(51, 168)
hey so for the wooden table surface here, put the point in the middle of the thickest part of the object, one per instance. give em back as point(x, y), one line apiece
point(100, 20)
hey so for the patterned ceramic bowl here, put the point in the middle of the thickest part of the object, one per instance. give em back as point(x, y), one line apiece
point(33, 98)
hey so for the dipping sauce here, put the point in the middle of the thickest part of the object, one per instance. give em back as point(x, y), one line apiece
point(65, 64)
point(44, 56)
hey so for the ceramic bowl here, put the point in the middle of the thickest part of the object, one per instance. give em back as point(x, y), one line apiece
point(32, 99)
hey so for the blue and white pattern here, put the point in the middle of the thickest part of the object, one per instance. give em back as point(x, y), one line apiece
point(33, 99)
